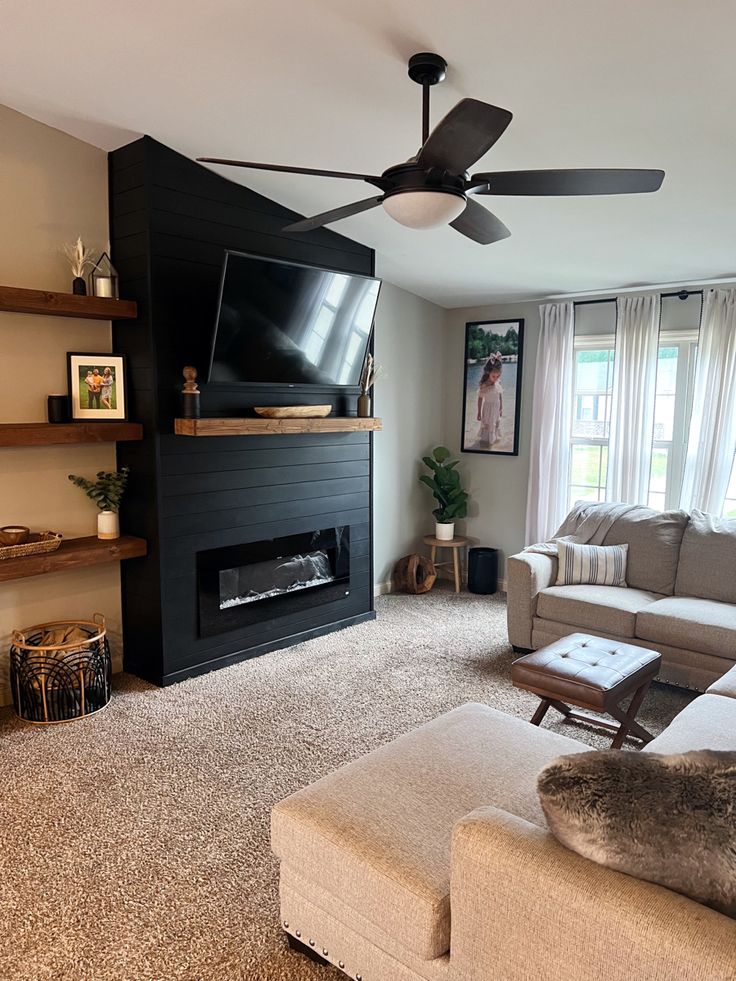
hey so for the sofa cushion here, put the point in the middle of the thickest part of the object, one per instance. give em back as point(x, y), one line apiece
point(377, 833)
point(725, 685)
point(708, 559)
point(608, 609)
point(654, 539)
point(685, 621)
point(708, 722)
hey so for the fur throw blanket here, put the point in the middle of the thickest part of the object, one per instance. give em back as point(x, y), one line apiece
point(666, 819)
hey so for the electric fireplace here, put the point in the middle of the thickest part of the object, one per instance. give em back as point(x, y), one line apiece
point(243, 584)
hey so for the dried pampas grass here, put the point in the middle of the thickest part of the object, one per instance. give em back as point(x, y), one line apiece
point(371, 371)
point(79, 256)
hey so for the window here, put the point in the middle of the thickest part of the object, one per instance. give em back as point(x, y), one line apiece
point(675, 374)
point(729, 506)
point(591, 418)
point(592, 400)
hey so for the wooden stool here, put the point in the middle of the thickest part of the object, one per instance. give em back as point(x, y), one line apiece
point(455, 544)
point(592, 673)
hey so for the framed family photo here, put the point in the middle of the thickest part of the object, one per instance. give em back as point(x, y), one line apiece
point(492, 386)
point(97, 386)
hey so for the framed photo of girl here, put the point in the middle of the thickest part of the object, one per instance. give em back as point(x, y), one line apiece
point(97, 386)
point(494, 351)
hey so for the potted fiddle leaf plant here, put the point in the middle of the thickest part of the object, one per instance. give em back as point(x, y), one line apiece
point(107, 492)
point(444, 482)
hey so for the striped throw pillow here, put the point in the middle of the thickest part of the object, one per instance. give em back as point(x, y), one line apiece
point(593, 565)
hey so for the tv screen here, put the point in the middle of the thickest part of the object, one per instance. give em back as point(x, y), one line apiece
point(284, 323)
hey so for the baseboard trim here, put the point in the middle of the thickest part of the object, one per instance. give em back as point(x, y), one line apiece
point(384, 588)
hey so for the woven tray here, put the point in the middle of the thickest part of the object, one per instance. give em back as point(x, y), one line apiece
point(39, 542)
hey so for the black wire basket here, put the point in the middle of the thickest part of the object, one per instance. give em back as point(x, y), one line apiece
point(60, 682)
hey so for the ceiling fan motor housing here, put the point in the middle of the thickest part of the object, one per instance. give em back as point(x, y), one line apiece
point(411, 177)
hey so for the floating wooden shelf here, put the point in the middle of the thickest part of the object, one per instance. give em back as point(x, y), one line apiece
point(15, 300)
point(50, 434)
point(270, 427)
point(73, 554)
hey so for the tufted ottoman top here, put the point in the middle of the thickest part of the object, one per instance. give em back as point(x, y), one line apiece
point(585, 670)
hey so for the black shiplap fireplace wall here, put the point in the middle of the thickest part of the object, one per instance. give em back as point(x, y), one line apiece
point(171, 220)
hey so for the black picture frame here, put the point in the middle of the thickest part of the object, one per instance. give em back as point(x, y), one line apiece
point(77, 361)
point(474, 364)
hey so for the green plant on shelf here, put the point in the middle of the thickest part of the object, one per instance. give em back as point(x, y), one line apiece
point(107, 490)
point(444, 482)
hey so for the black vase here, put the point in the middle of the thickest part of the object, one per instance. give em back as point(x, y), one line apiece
point(79, 287)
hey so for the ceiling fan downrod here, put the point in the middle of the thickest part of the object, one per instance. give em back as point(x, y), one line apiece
point(426, 69)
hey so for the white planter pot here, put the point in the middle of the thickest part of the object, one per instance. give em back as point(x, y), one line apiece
point(444, 531)
point(108, 525)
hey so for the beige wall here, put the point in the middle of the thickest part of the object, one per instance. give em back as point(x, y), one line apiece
point(410, 399)
point(52, 188)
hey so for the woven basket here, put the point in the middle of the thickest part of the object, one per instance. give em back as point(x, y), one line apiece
point(59, 682)
point(40, 542)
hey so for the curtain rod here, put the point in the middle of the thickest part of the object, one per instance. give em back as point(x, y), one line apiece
point(682, 294)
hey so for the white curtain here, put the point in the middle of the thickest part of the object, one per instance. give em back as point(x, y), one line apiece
point(547, 501)
point(712, 439)
point(632, 405)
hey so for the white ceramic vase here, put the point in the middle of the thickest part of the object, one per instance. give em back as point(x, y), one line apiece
point(444, 530)
point(108, 525)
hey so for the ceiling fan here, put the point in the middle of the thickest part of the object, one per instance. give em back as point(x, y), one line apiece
point(434, 188)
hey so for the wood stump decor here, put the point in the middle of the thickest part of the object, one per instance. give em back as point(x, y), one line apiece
point(414, 574)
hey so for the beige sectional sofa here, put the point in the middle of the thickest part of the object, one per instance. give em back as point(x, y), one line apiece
point(680, 600)
point(429, 860)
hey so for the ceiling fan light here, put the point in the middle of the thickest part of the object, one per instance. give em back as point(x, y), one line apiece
point(424, 209)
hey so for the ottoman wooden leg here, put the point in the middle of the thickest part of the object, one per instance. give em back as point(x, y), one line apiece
point(550, 703)
point(540, 712)
point(627, 718)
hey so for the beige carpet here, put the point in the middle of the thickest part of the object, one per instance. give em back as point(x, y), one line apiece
point(134, 845)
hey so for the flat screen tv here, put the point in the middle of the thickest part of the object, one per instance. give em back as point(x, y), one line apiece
point(283, 323)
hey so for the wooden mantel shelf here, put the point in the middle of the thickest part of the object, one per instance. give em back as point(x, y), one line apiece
point(50, 434)
point(271, 427)
point(16, 300)
point(74, 553)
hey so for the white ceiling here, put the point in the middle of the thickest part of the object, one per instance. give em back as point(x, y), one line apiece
point(322, 83)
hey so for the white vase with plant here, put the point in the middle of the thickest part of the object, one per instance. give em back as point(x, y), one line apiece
point(444, 482)
point(107, 492)
point(80, 259)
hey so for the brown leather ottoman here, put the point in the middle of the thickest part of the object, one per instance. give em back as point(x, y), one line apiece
point(592, 673)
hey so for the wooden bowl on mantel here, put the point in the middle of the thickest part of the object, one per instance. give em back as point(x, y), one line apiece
point(293, 411)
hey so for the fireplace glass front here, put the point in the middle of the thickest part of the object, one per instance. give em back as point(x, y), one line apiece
point(243, 584)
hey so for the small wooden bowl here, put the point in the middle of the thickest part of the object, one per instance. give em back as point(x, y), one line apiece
point(14, 535)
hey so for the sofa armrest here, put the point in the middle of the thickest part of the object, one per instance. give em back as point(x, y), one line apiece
point(523, 906)
point(527, 574)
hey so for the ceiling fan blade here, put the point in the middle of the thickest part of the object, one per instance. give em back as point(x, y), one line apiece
point(372, 179)
point(327, 217)
point(463, 136)
point(480, 225)
point(557, 182)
